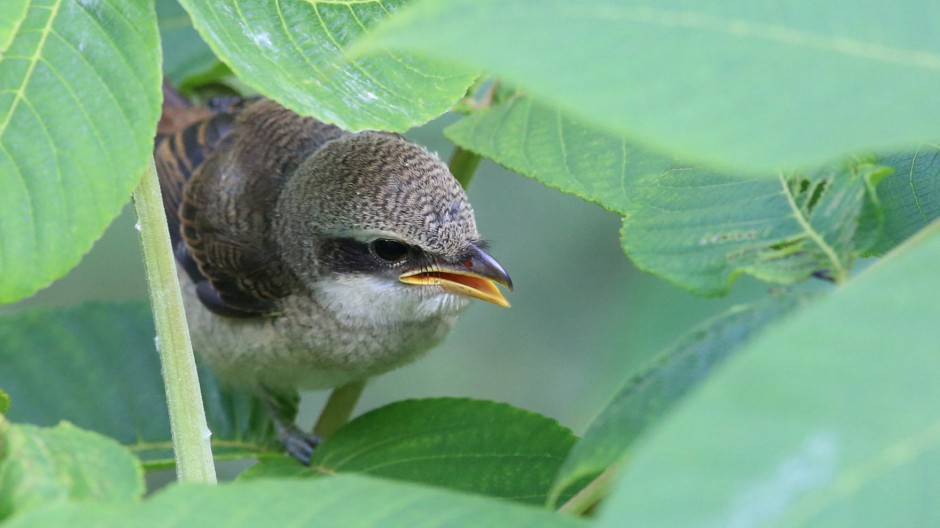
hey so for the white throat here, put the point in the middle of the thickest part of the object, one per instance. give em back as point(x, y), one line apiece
point(379, 301)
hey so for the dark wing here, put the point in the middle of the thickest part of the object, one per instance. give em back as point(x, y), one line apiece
point(221, 171)
point(185, 136)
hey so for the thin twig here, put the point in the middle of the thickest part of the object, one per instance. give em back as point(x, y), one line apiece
point(338, 408)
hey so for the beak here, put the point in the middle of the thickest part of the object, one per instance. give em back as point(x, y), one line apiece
point(475, 274)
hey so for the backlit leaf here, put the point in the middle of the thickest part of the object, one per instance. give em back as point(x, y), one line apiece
point(345, 501)
point(293, 51)
point(79, 101)
point(747, 84)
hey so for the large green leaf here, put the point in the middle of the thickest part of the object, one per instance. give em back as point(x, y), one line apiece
point(540, 142)
point(742, 83)
point(14, 11)
point(911, 196)
point(41, 465)
point(700, 229)
point(467, 445)
point(96, 365)
point(828, 419)
point(343, 502)
point(4, 401)
point(292, 51)
point(79, 101)
point(649, 395)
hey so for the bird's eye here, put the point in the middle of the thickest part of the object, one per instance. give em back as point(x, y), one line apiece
point(388, 250)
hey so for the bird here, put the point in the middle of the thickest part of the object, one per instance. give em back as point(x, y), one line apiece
point(310, 256)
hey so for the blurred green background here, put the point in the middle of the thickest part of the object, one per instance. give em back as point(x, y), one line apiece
point(582, 318)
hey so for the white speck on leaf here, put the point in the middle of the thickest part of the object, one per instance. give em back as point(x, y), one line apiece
point(262, 39)
point(811, 467)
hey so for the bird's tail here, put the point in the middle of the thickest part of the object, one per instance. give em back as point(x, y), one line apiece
point(178, 112)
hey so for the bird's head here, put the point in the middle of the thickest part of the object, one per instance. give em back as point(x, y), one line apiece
point(378, 228)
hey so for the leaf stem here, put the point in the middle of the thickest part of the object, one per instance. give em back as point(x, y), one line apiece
point(591, 494)
point(184, 399)
point(338, 408)
point(463, 164)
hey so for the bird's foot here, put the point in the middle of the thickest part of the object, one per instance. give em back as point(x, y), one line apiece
point(283, 409)
point(297, 443)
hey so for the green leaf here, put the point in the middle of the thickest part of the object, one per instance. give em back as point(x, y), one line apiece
point(700, 229)
point(79, 101)
point(475, 446)
point(542, 143)
point(736, 83)
point(911, 196)
point(40, 465)
point(827, 419)
point(650, 395)
point(14, 11)
point(342, 502)
point(96, 366)
point(4, 402)
point(292, 51)
point(184, 51)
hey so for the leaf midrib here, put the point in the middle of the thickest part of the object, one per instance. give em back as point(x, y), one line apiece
point(840, 273)
point(33, 61)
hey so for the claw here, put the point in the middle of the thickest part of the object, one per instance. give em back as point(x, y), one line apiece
point(296, 442)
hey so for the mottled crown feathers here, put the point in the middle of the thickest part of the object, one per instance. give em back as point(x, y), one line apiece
point(377, 183)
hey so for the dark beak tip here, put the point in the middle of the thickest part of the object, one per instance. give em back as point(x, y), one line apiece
point(491, 268)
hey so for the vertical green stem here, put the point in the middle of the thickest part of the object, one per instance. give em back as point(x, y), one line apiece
point(463, 164)
point(338, 408)
point(184, 399)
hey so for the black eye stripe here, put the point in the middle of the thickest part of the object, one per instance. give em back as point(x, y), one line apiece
point(346, 255)
point(349, 255)
point(389, 250)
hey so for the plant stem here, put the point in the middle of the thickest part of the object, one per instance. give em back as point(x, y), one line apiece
point(463, 164)
point(184, 399)
point(338, 408)
point(591, 494)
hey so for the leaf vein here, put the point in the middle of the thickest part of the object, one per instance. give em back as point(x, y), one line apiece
point(33, 60)
point(839, 270)
point(341, 51)
point(755, 30)
point(452, 456)
point(29, 200)
point(93, 124)
point(290, 36)
point(910, 179)
point(57, 154)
